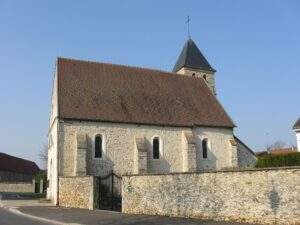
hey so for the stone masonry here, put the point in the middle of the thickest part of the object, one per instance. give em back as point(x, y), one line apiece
point(265, 196)
point(245, 157)
point(141, 155)
point(76, 192)
point(208, 76)
point(189, 154)
point(128, 149)
point(17, 186)
point(80, 155)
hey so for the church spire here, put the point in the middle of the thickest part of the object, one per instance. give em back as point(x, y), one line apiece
point(192, 62)
point(188, 26)
point(191, 57)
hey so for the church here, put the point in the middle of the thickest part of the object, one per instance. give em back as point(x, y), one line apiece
point(131, 120)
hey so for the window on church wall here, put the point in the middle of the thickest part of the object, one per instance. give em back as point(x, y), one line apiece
point(204, 148)
point(155, 146)
point(204, 76)
point(98, 146)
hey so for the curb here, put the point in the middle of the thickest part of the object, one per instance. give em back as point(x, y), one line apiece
point(18, 212)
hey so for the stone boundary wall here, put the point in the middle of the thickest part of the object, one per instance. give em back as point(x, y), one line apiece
point(76, 192)
point(17, 187)
point(263, 196)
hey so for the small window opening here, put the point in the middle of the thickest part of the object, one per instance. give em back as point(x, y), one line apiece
point(155, 148)
point(204, 148)
point(204, 76)
point(193, 74)
point(98, 146)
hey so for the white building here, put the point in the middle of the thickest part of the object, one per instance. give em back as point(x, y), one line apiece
point(296, 128)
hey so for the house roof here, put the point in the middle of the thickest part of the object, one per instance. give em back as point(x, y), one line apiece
point(297, 124)
point(278, 151)
point(114, 93)
point(192, 57)
point(17, 165)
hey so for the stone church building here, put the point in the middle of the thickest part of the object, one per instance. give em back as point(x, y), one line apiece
point(134, 120)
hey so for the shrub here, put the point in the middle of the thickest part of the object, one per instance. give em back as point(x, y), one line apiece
point(292, 159)
point(41, 175)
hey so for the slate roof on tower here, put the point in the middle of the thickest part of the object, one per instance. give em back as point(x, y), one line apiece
point(115, 93)
point(297, 124)
point(192, 57)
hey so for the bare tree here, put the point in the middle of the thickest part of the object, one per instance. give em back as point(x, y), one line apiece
point(276, 145)
point(43, 155)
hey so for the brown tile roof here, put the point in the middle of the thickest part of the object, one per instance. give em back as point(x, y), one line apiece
point(17, 165)
point(281, 151)
point(115, 93)
point(297, 124)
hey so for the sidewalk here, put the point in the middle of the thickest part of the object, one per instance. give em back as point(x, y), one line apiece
point(20, 203)
point(60, 215)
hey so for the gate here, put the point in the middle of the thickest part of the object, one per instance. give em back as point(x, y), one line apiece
point(110, 192)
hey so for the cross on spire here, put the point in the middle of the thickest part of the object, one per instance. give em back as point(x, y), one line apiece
point(188, 25)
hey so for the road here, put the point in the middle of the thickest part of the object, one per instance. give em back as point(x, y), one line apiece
point(102, 217)
point(9, 218)
point(91, 217)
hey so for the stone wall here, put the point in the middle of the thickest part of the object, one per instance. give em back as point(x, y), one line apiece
point(209, 80)
point(53, 153)
point(120, 147)
point(76, 192)
point(269, 196)
point(17, 187)
point(220, 152)
point(246, 158)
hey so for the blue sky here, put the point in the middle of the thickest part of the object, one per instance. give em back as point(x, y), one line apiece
point(254, 45)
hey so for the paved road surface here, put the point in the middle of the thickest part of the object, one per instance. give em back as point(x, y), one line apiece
point(87, 217)
point(9, 218)
point(99, 217)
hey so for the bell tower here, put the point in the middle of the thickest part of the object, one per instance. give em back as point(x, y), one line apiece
point(191, 62)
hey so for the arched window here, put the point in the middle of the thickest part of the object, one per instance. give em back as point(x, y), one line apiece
point(155, 146)
point(204, 76)
point(204, 148)
point(193, 74)
point(98, 146)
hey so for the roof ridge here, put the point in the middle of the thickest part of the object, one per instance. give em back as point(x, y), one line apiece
point(17, 157)
point(120, 65)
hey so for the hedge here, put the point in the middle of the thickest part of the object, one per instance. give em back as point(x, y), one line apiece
point(292, 159)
